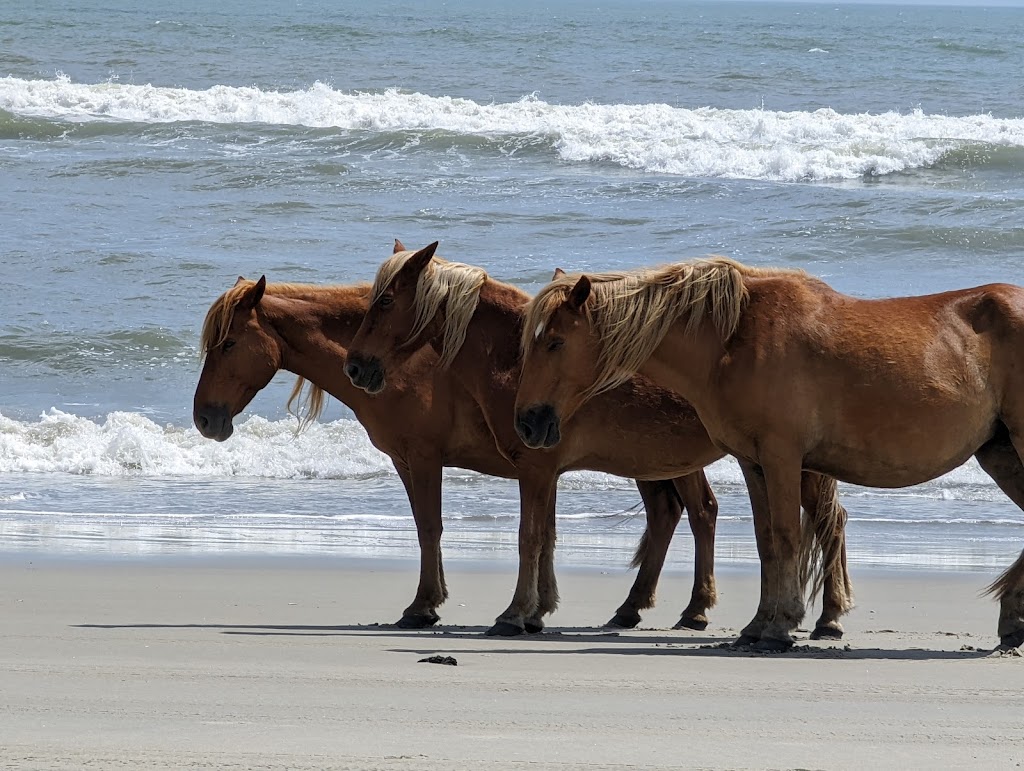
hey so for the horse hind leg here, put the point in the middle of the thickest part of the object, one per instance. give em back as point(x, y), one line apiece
point(663, 510)
point(824, 540)
point(702, 513)
point(1001, 460)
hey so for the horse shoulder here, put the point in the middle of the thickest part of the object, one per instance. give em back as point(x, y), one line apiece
point(785, 315)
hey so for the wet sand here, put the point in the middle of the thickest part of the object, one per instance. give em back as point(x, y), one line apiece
point(259, 663)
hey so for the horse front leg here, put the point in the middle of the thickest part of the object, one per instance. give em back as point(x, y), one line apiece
point(547, 582)
point(661, 503)
point(422, 480)
point(758, 492)
point(780, 553)
point(536, 526)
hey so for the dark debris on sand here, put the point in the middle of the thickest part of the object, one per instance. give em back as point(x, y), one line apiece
point(448, 660)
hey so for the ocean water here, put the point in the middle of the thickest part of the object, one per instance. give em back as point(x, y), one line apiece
point(152, 152)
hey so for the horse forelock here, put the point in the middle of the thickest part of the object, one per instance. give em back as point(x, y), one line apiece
point(387, 271)
point(541, 308)
point(452, 284)
point(218, 317)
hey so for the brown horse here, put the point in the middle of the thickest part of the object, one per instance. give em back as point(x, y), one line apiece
point(788, 374)
point(473, 322)
point(423, 422)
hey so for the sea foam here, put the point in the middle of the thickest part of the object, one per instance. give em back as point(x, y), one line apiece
point(658, 138)
point(128, 444)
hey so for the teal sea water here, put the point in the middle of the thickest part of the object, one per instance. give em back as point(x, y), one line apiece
point(151, 152)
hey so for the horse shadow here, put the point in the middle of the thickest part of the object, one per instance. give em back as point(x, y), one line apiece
point(568, 639)
point(728, 650)
point(567, 634)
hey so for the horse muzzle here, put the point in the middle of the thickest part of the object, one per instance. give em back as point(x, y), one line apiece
point(213, 421)
point(365, 372)
point(538, 426)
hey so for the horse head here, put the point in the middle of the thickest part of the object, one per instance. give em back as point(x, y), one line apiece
point(240, 357)
point(393, 328)
point(560, 360)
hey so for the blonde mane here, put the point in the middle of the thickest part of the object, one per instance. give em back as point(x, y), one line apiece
point(306, 409)
point(452, 284)
point(632, 312)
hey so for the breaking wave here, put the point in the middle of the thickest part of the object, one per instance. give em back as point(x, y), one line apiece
point(656, 138)
point(129, 444)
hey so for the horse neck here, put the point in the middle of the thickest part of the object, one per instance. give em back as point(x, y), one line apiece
point(686, 361)
point(315, 331)
point(494, 331)
point(486, 369)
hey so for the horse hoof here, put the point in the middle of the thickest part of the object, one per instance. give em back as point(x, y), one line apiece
point(534, 625)
point(417, 620)
point(826, 633)
point(769, 645)
point(691, 623)
point(745, 640)
point(1010, 641)
point(621, 621)
point(505, 629)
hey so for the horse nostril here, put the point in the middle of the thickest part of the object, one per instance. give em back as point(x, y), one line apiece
point(204, 422)
point(352, 370)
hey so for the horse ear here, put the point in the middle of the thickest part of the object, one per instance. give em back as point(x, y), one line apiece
point(578, 295)
point(399, 247)
point(240, 280)
point(420, 260)
point(559, 273)
point(253, 296)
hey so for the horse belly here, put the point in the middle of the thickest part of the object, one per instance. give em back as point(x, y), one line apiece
point(891, 458)
point(648, 450)
point(645, 468)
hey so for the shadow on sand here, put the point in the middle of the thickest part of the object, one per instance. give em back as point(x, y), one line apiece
point(561, 640)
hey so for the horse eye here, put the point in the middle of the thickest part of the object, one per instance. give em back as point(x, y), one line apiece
point(556, 344)
point(386, 301)
point(228, 345)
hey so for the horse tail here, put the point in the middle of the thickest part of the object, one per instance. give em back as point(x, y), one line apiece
point(309, 407)
point(1008, 582)
point(823, 541)
point(641, 549)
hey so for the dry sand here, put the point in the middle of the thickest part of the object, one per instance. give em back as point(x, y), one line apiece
point(260, 664)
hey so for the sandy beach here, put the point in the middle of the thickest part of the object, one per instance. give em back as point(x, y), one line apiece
point(263, 663)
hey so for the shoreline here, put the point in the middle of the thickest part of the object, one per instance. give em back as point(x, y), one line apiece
point(584, 544)
point(506, 562)
point(504, 565)
point(290, 663)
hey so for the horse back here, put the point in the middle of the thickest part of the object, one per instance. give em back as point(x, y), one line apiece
point(997, 309)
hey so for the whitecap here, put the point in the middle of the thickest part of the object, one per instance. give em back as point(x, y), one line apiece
point(657, 138)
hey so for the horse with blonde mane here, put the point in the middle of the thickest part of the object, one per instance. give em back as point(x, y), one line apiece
point(789, 375)
point(473, 323)
point(423, 423)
